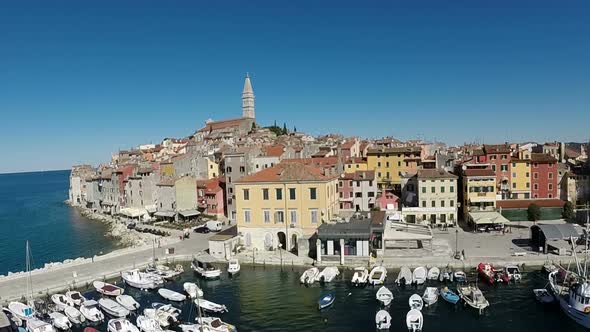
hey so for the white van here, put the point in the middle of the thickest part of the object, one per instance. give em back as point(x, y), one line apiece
point(214, 225)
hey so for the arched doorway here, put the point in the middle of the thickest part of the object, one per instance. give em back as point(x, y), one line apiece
point(294, 244)
point(282, 240)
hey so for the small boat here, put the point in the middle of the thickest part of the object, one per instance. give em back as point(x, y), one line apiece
point(512, 272)
point(107, 289)
point(75, 297)
point(326, 300)
point(171, 295)
point(548, 268)
point(121, 325)
point(233, 267)
point(383, 320)
point(378, 275)
point(192, 290)
point(141, 280)
point(61, 301)
point(404, 276)
point(146, 324)
point(212, 324)
point(91, 311)
point(60, 321)
point(419, 275)
point(430, 296)
point(433, 273)
point(128, 302)
point(37, 325)
point(309, 276)
point(11, 317)
point(542, 295)
point(205, 269)
point(210, 306)
point(446, 274)
point(328, 274)
point(416, 302)
point(169, 308)
point(164, 272)
point(487, 273)
point(21, 310)
point(74, 315)
point(414, 320)
point(113, 308)
point(384, 295)
point(163, 318)
point(460, 276)
point(473, 297)
point(449, 296)
point(360, 276)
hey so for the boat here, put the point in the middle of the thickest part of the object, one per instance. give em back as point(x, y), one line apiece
point(433, 273)
point(205, 269)
point(75, 297)
point(404, 276)
point(501, 277)
point(37, 325)
point(192, 289)
point(542, 295)
point(233, 267)
point(460, 276)
point(384, 295)
point(377, 275)
point(414, 320)
point(212, 324)
point(113, 308)
point(548, 268)
point(169, 308)
point(61, 301)
point(360, 276)
point(328, 274)
point(171, 295)
point(513, 272)
point(140, 280)
point(416, 302)
point(210, 306)
point(446, 274)
point(487, 273)
point(21, 310)
point(419, 275)
point(473, 297)
point(309, 276)
point(383, 320)
point(163, 271)
point(326, 300)
point(107, 289)
point(121, 325)
point(128, 302)
point(146, 324)
point(163, 318)
point(449, 296)
point(74, 315)
point(60, 321)
point(572, 291)
point(90, 310)
point(11, 317)
point(6, 324)
point(430, 296)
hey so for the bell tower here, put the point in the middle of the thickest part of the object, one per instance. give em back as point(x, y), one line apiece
point(248, 99)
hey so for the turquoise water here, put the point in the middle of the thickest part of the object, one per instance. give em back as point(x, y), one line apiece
point(32, 208)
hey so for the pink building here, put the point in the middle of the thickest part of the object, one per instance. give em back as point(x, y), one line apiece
point(387, 199)
point(210, 196)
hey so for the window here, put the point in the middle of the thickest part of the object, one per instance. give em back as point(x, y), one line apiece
point(550, 165)
point(504, 167)
point(313, 193)
point(442, 190)
point(423, 203)
point(341, 183)
point(424, 190)
point(228, 169)
point(433, 203)
point(493, 157)
point(247, 216)
point(494, 168)
point(279, 216)
point(432, 190)
point(265, 194)
point(399, 164)
point(279, 193)
point(358, 183)
point(442, 203)
point(551, 186)
point(513, 185)
point(513, 164)
point(378, 164)
point(504, 157)
point(358, 195)
point(513, 174)
point(452, 189)
point(371, 194)
point(536, 187)
point(551, 175)
point(451, 204)
point(528, 185)
point(535, 165)
point(292, 195)
point(266, 214)
point(536, 175)
point(293, 216)
point(246, 194)
point(379, 174)
point(370, 183)
point(341, 195)
point(313, 216)
point(452, 216)
point(528, 174)
point(350, 183)
point(387, 164)
point(550, 195)
point(242, 169)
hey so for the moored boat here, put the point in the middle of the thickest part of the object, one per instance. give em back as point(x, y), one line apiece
point(542, 295)
point(60, 321)
point(487, 273)
point(212, 324)
point(112, 308)
point(309, 276)
point(430, 296)
point(512, 272)
point(121, 325)
point(74, 315)
point(460, 276)
point(383, 320)
point(141, 280)
point(377, 275)
point(360, 276)
point(404, 276)
point(473, 297)
point(146, 324)
point(107, 289)
point(328, 274)
point(573, 295)
point(416, 302)
point(384, 295)
point(210, 306)
point(61, 301)
point(205, 269)
point(76, 297)
point(192, 289)
point(171, 295)
point(433, 273)
point(21, 310)
point(414, 320)
point(326, 300)
point(448, 295)
point(37, 325)
point(91, 311)
point(233, 267)
point(419, 275)
point(128, 302)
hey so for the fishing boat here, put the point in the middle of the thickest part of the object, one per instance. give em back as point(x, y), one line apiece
point(414, 320)
point(192, 289)
point(147, 324)
point(433, 273)
point(91, 311)
point(37, 325)
point(112, 308)
point(419, 275)
point(212, 324)
point(121, 325)
point(210, 306)
point(205, 269)
point(107, 289)
point(449, 296)
point(60, 321)
point(513, 272)
point(128, 302)
point(163, 271)
point(21, 310)
point(416, 302)
point(487, 273)
point(542, 295)
point(404, 276)
point(326, 300)
point(377, 275)
point(473, 297)
point(430, 296)
point(360, 276)
point(328, 274)
point(171, 295)
point(76, 297)
point(384, 295)
point(234, 267)
point(460, 276)
point(74, 315)
point(383, 320)
point(140, 280)
point(309, 276)
point(61, 301)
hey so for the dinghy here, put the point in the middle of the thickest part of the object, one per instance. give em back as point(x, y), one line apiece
point(309, 276)
point(326, 300)
point(460, 276)
point(430, 296)
point(37, 325)
point(128, 302)
point(75, 297)
point(164, 318)
point(233, 267)
point(61, 301)
point(419, 275)
point(74, 315)
point(91, 311)
point(121, 325)
point(433, 273)
point(360, 276)
point(210, 306)
point(169, 308)
point(212, 324)
point(60, 321)
point(415, 302)
point(140, 280)
point(107, 289)
point(384, 295)
point(328, 274)
point(543, 296)
point(146, 324)
point(383, 320)
point(512, 272)
point(171, 295)
point(378, 275)
point(449, 296)
point(112, 308)
point(404, 276)
point(414, 320)
point(21, 310)
point(192, 290)
point(473, 297)
point(205, 269)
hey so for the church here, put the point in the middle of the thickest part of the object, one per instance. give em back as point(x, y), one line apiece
point(232, 127)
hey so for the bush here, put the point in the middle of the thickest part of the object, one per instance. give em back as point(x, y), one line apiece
point(568, 211)
point(534, 212)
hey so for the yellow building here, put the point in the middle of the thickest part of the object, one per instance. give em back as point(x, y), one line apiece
point(390, 163)
point(479, 191)
point(355, 164)
point(167, 169)
point(212, 169)
point(284, 205)
point(520, 186)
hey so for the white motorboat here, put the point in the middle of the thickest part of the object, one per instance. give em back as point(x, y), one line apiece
point(205, 269)
point(378, 275)
point(473, 297)
point(128, 302)
point(212, 324)
point(573, 294)
point(384, 295)
point(147, 324)
point(37, 325)
point(460, 276)
point(210, 306)
point(360, 276)
point(171, 295)
point(167, 308)
point(513, 272)
point(10, 315)
point(309, 276)
point(416, 302)
point(433, 273)
point(542, 295)
point(113, 308)
point(383, 320)
point(107, 289)
point(121, 325)
point(419, 275)
point(91, 311)
point(192, 289)
point(74, 315)
point(140, 280)
point(328, 274)
point(75, 297)
point(163, 317)
point(164, 272)
point(21, 310)
point(60, 321)
point(404, 276)
point(233, 267)
point(446, 274)
point(414, 320)
point(430, 296)
point(61, 301)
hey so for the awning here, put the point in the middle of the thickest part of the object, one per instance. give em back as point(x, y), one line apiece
point(558, 231)
point(189, 213)
point(151, 208)
point(345, 230)
point(167, 214)
point(132, 212)
point(487, 218)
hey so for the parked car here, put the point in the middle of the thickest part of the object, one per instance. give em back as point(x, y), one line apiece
point(203, 229)
point(214, 225)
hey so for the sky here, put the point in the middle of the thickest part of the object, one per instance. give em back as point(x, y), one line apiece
point(80, 80)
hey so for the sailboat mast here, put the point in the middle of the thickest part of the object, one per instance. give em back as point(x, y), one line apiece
point(201, 328)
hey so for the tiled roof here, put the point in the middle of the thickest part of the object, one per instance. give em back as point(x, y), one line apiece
point(316, 162)
point(222, 124)
point(359, 175)
point(542, 158)
point(348, 144)
point(286, 172)
point(496, 148)
point(166, 181)
point(211, 186)
point(407, 149)
point(435, 174)
point(356, 160)
point(479, 172)
point(274, 150)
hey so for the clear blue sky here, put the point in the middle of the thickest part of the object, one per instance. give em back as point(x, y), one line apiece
point(81, 79)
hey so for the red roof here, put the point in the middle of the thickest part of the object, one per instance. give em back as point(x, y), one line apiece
point(524, 203)
point(274, 150)
point(542, 158)
point(284, 172)
point(211, 186)
point(223, 124)
point(479, 172)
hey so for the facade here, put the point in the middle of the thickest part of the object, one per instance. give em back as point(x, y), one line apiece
point(211, 197)
point(186, 193)
point(357, 191)
point(390, 163)
point(479, 190)
point(544, 176)
point(166, 196)
point(520, 173)
point(167, 169)
point(237, 165)
point(352, 165)
point(498, 157)
point(575, 187)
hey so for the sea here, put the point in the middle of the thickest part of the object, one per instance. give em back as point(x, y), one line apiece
point(32, 209)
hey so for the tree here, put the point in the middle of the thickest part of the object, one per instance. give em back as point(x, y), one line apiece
point(285, 131)
point(294, 129)
point(534, 212)
point(568, 211)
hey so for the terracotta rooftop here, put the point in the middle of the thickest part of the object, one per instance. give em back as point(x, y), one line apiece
point(348, 144)
point(222, 124)
point(407, 149)
point(286, 172)
point(359, 175)
point(274, 150)
point(542, 158)
point(356, 160)
point(435, 174)
point(166, 181)
point(479, 172)
point(496, 148)
point(211, 186)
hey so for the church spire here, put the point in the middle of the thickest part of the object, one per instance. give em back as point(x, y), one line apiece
point(248, 99)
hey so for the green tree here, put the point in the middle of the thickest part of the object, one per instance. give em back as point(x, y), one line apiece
point(285, 131)
point(568, 211)
point(534, 212)
point(294, 129)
